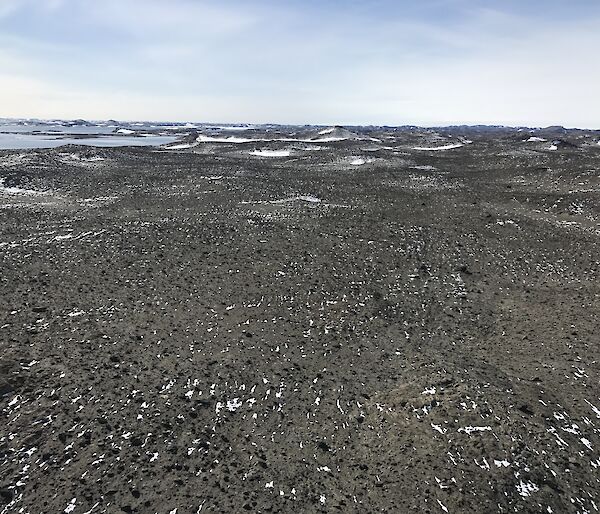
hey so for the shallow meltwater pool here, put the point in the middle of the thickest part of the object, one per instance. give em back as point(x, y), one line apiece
point(10, 141)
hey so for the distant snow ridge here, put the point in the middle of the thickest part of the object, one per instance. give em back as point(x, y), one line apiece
point(326, 131)
point(229, 139)
point(328, 135)
point(333, 134)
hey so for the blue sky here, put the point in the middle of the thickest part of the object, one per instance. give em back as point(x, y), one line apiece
point(427, 62)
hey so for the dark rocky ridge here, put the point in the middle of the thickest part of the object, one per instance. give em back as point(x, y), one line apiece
point(205, 328)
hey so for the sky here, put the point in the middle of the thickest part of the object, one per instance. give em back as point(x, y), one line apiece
point(369, 62)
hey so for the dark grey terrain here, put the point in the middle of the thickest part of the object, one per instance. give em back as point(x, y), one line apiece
point(348, 321)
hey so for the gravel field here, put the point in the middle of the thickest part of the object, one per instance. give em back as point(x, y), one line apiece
point(365, 320)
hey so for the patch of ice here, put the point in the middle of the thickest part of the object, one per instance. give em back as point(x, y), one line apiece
point(437, 148)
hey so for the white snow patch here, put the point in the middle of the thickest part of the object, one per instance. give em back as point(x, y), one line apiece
point(18, 190)
point(126, 132)
point(233, 405)
point(438, 428)
point(327, 139)
point(594, 408)
point(309, 198)
point(230, 139)
point(436, 148)
point(357, 161)
point(71, 506)
point(471, 430)
point(527, 488)
point(181, 146)
point(553, 147)
point(234, 129)
point(271, 153)
point(534, 139)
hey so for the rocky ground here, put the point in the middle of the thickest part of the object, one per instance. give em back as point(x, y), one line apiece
point(368, 321)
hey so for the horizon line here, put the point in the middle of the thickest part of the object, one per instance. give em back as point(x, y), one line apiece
point(278, 124)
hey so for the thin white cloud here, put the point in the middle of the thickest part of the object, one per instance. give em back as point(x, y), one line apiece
point(182, 18)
